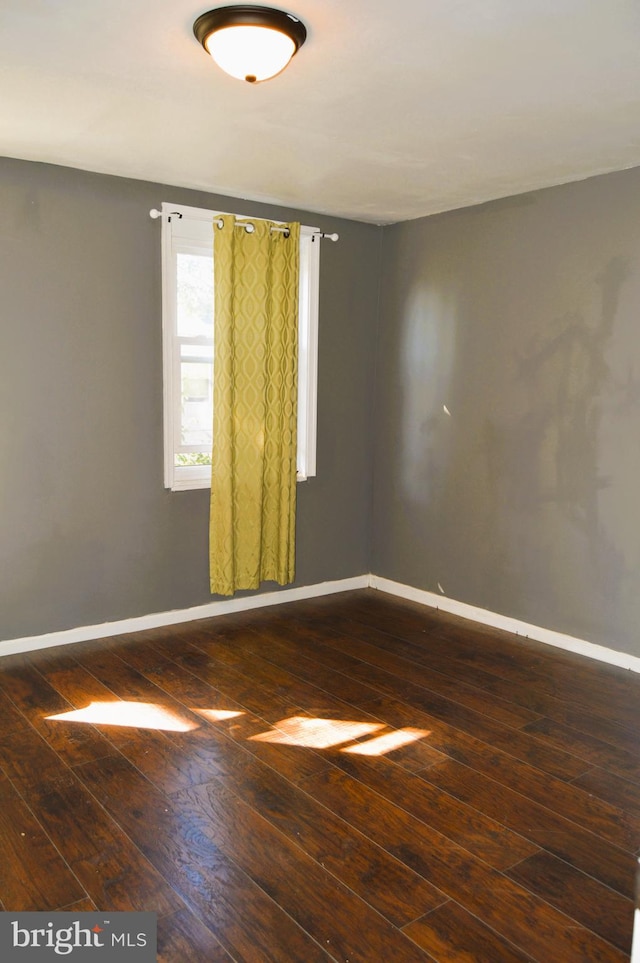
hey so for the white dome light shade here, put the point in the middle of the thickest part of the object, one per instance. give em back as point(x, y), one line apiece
point(250, 53)
point(249, 42)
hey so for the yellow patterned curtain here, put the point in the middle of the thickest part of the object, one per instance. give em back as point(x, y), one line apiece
point(255, 395)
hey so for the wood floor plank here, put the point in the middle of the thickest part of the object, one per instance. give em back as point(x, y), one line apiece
point(594, 905)
point(241, 726)
point(82, 906)
point(244, 919)
point(584, 717)
point(252, 689)
point(322, 905)
point(144, 654)
point(28, 760)
point(118, 675)
point(611, 823)
point(237, 686)
point(451, 935)
point(593, 750)
point(354, 776)
point(303, 691)
point(413, 756)
point(127, 683)
point(593, 723)
point(33, 875)
point(287, 653)
point(569, 841)
point(608, 691)
point(433, 670)
point(515, 913)
point(113, 872)
point(518, 744)
point(554, 683)
point(39, 701)
point(481, 835)
point(289, 686)
point(394, 890)
point(170, 763)
point(120, 678)
point(183, 937)
point(10, 717)
point(612, 788)
point(152, 751)
point(450, 633)
point(75, 684)
point(426, 647)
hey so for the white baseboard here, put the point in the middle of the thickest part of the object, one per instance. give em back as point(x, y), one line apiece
point(87, 632)
point(599, 652)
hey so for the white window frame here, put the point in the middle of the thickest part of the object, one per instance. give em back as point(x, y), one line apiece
point(190, 230)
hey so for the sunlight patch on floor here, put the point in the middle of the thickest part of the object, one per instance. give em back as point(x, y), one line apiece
point(315, 733)
point(137, 715)
point(358, 738)
point(363, 738)
point(217, 715)
point(381, 745)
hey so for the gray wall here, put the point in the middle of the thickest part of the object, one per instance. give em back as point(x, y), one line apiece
point(87, 531)
point(522, 317)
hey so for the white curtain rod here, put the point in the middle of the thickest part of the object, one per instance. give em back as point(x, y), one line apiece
point(249, 226)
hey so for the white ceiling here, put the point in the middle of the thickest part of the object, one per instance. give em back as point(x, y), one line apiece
point(390, 111)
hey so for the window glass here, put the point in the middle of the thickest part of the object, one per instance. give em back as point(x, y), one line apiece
point(188, 322)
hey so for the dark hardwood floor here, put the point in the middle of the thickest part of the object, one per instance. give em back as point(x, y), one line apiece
point(353, 778)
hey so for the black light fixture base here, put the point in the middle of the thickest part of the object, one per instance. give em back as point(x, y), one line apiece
point(247, 15)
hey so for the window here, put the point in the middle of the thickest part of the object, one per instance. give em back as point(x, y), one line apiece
point(187, 313)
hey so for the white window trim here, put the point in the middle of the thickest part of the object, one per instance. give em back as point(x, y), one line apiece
point(182, 478)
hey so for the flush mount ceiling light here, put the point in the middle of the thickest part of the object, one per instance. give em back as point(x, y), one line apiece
point(250, 43)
